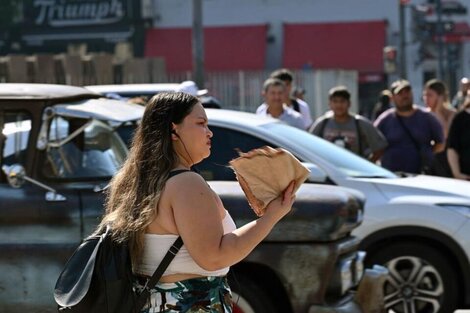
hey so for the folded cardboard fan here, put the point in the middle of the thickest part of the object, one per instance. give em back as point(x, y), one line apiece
point(265, 173)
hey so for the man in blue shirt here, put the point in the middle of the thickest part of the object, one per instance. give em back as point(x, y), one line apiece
point(413, 134)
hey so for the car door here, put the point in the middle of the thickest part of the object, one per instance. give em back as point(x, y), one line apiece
point(37, 231)
point(225, 146)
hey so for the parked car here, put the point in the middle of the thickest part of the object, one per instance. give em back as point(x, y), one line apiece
point(132, 90)
point(58, 151)
point(143, 92)
point(417, 226)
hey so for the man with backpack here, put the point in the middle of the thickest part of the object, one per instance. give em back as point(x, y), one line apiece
point(353, 132)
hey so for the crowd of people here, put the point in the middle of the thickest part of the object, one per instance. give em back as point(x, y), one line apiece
point(403, 137)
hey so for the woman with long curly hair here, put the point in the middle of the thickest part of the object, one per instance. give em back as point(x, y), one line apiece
point(155, 198)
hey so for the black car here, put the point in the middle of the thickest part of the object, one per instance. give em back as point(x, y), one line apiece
point(59, 148)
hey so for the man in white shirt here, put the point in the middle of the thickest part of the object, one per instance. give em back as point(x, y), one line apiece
point(274, 106)
point(295, 103)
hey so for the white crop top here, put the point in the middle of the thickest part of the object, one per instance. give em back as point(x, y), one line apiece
point(156, 246)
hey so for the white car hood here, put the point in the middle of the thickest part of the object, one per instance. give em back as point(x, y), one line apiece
point(423, 185)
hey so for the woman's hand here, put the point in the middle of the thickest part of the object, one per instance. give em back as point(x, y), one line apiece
point(282, 205)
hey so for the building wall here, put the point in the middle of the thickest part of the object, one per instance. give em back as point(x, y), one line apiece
point(178, 13)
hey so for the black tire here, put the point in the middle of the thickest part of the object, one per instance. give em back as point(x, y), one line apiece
point(420, 278)
point(250, 297)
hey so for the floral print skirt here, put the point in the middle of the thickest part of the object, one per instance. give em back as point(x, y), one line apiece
point(196, 295)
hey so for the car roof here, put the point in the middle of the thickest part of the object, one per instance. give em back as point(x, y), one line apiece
point(43, 91)
point(102, 109)
point(133, 88)
point(231, 117)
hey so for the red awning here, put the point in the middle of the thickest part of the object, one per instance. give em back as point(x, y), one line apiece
point(460, 33)
point(352, 45)
point(225, 48)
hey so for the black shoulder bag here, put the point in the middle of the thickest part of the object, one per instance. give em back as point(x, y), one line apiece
point(98, 276)
point(424, 167)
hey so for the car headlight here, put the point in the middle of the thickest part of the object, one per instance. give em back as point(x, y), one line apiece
point(462, 209)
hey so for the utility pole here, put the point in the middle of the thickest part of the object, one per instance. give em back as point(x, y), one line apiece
point(403, 3)
point(440, 44)
point(198, 44)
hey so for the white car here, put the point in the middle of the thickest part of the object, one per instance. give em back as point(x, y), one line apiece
point(418, 226)
point(132, 90)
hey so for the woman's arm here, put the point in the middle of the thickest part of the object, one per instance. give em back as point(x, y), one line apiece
point(453, 158)
point(198, 220)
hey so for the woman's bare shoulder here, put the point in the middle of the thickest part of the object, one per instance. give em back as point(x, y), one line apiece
point(186, 181)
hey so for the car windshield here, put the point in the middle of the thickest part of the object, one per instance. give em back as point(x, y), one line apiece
point(80, 148)
point(346, 162)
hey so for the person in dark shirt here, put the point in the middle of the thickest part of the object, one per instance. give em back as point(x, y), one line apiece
point(458, 143)
point(413, 134)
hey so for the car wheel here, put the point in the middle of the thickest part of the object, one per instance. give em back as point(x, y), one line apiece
point(250, 297)
point(420, 280)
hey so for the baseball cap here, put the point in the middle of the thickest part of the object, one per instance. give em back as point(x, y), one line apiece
point(399, 85)
point(339, 91)
point(191, 88)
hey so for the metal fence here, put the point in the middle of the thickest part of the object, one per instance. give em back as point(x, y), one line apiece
point(238, 90)
point(241, 90)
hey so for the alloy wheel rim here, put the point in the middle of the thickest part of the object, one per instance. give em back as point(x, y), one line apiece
point(412, 286)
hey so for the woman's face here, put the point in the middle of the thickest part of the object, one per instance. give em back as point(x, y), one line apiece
point(431, 98)
point(192, 137)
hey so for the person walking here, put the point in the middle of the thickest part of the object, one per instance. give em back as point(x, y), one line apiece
point(413, 134)
point(155, 197)
point(274, 94)
point(436, 98)
point(458, 143)
point(292, 102)
point(384, 103)
point(353, 132)
point(460, 96)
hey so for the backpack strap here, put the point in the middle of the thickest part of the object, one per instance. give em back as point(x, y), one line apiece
point(358, 130)
point(176, 172)
point(295, 104)
point(169, 256)
point(322, 126)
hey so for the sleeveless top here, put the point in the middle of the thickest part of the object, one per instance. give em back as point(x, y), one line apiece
point(156, 246)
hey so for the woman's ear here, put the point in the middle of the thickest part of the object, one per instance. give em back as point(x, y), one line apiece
point(174, 135)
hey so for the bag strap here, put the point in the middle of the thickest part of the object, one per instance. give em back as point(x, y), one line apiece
point(169, 256)
point(359, 133)
point(408, 132)
point(295, 104)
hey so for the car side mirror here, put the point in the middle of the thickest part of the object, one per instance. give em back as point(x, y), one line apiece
point(317, 175)
point(16, 176)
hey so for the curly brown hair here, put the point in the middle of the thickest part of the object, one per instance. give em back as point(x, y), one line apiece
point(134, 192)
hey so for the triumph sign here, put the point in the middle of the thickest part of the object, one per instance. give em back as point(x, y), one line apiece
point(59, 13)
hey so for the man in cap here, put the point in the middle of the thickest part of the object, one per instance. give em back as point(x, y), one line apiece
point(353, 132)
point(413, 134)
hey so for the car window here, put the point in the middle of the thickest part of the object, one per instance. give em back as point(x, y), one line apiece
point(339, 158)
point(225, 144)
point(80, 148)
point(14, 138)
